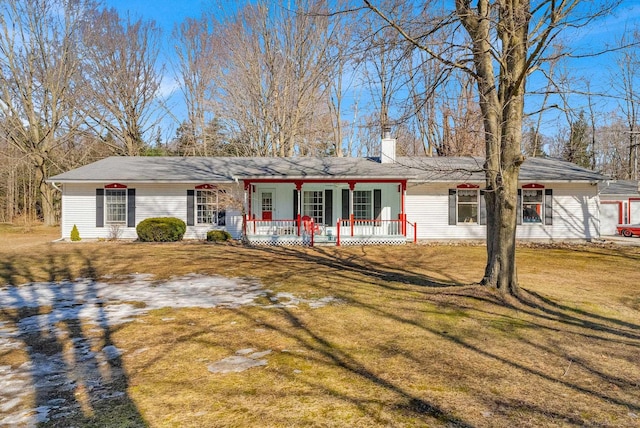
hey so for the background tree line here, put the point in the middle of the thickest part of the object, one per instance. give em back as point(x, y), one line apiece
point(80, 82)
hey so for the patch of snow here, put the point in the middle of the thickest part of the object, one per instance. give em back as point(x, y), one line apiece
point(111, 352)
point(10, 404)
point(260, 354)
point(239, 362)
point(102, 305)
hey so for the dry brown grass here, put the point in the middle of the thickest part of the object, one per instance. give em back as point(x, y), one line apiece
point(413, 342)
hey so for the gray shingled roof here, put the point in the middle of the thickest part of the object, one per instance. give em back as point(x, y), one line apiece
point(228, 169)
point(470, 169)
point(619, 187)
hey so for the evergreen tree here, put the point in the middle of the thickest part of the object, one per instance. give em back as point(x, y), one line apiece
point(576, 148)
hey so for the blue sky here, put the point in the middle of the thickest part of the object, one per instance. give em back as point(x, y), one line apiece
point(168, 13)
point(165, 12)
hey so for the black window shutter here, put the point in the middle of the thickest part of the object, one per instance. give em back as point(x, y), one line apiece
point(99, 207)
point(131, 207)
point(548, 206)
point(452, 207)
point(190, 207)
point(328, 207)
point(519, 208)
point(483, 208)
point(295, 204)
point(345, 204)
point(377, 203)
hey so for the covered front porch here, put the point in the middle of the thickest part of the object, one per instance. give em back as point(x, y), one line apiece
point(324, 211)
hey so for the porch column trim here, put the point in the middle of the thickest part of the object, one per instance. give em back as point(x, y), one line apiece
point(248, 198)
point(403, 214)
point(352, 186)
point(299, 190)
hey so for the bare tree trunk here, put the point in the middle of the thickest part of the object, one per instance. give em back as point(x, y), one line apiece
point(39, 56)
point(46, 192)
point(508, 40)
point(502, 105)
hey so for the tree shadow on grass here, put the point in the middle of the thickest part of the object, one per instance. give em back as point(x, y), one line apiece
point(311, 340)
point(608, 386)
point(343, 262)
point(74, 372)
point(578, 316)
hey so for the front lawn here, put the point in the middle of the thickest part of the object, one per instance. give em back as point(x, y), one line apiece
point(366, 336)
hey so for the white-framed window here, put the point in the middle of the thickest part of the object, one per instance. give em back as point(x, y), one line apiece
point(532, 205)
point(467, 206)
point(313, 205)
point(362, 204)
point(267, 201)
point(116, 206)
point(208, 207)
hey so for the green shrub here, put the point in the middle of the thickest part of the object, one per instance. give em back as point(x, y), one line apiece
point(218, 236)
point(75, 235)
point(161, 229)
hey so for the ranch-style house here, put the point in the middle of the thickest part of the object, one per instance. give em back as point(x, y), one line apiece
point(310, 200)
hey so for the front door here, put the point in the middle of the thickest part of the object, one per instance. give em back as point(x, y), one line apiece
point(266, 204)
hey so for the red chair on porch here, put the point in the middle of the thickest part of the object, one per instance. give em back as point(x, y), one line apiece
point(309, 226)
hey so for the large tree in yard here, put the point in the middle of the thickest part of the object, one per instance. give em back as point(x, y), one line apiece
point(502, 43)
point(39, 71)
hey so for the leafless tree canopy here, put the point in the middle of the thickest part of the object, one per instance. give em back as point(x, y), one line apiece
point(499, 44)
point(80, 81)
point(121, 78)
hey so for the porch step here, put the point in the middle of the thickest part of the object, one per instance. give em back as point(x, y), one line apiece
point(324, 243)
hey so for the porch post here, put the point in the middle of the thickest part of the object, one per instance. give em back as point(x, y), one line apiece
point(245, 209)
point(352, 186)
point(403, 214)
point(299, 217)
point(247, 202)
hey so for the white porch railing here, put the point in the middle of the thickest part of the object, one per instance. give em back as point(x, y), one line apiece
point(272, 227)
point(369, 227)
point(307, 232)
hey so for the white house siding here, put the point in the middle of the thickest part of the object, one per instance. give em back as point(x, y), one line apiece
point(152, 200)
point(427, 205)
point(79, 208)
point(575, 214)
point(575, 210)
